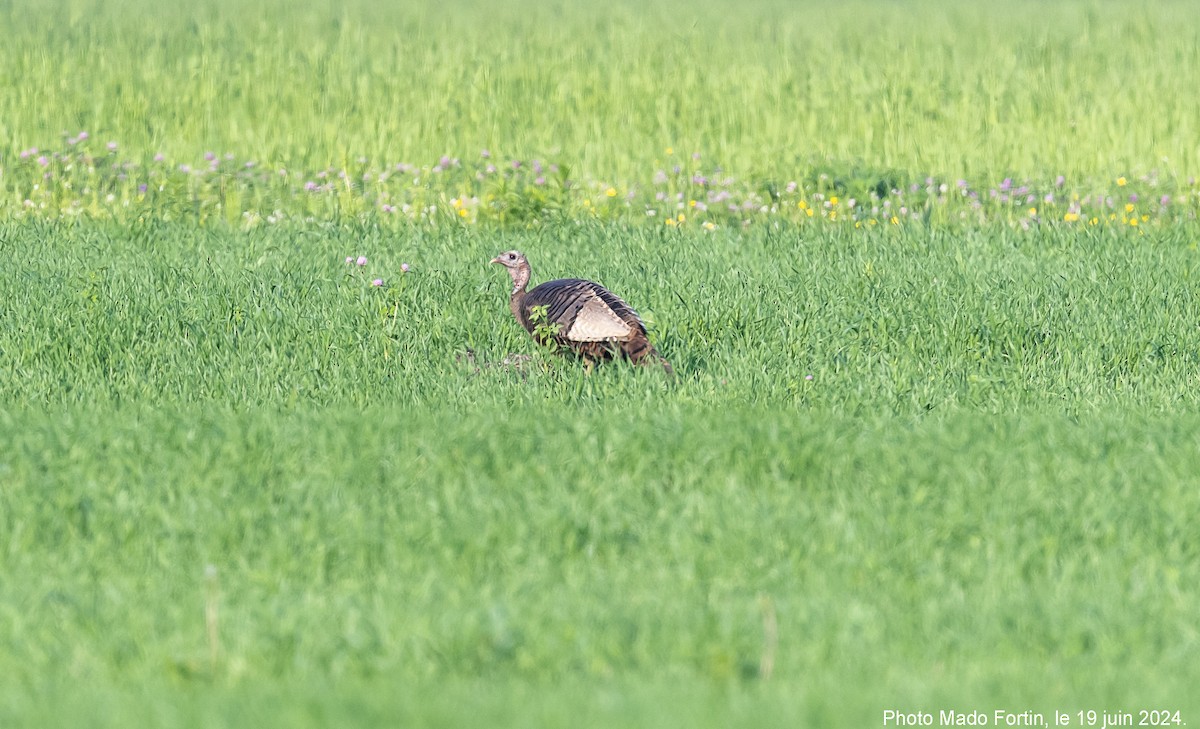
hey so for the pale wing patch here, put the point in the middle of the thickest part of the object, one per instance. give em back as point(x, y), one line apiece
point(597, 323)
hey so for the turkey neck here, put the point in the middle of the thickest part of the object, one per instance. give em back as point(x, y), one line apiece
point(520, 278)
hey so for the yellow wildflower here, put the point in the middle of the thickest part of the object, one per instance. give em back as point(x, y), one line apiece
point(681, 217)
point(833, 200)
point(611, 192)
point(1129, 207)
point(709, 225)
point(463, 212)
point(1032, 212)
point(1071, 217)
point(1121, 182)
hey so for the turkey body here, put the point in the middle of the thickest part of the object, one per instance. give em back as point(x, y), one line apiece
point(579, 315)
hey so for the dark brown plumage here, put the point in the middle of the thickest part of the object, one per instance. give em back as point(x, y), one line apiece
point(579, 315)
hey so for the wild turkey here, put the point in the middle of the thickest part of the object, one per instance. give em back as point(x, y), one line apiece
point(580, 315)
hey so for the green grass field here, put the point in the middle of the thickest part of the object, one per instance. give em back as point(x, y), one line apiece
point(924, 273)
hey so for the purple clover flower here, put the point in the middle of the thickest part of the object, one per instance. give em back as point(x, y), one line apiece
point(362, 261)
point(377, 282)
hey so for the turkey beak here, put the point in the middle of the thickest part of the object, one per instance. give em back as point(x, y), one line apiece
point(497, 260)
